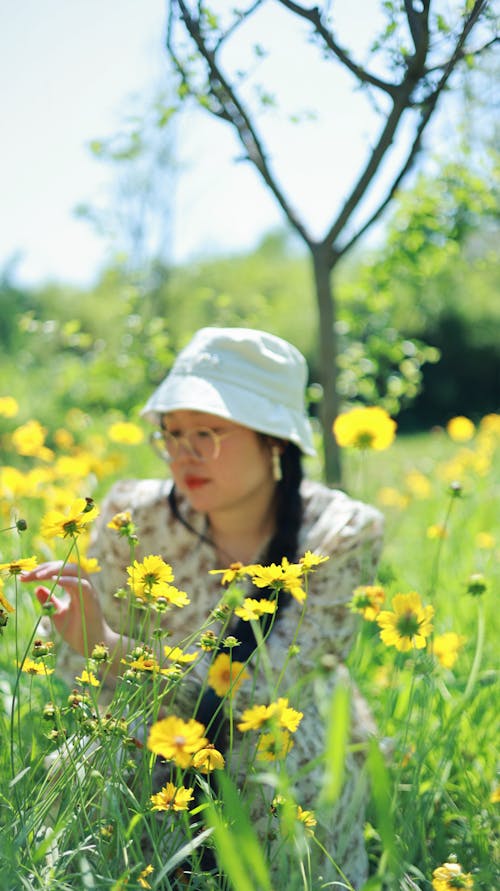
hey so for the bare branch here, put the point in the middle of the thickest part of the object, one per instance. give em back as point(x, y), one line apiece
point(428, 108)
point(238, 21)
point(314, 17)
point(231, 109)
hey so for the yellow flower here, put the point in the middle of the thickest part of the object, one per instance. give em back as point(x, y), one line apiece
point(225, 675)
point(485, 541)
point(437, 531)
point(253, 609)
point(286, 576)
point(235, 571)
point(63, 438)
point(29, 440)
point(255, 717)
point(15, 567)
point(418, 484)
point(310, 561)
point(490, 424)
point(460, 429)
point(306, 817)
point(287, 717)
point(89, 564)
point(278, 713)
point(175, 654)
point(142, 877)
point(120, 521)
point(4, 603)
point(152, 573)
point(73, 467)
point(495, 795)
point(8, 407)
point(208, 759)
point(31, 667)
point(449, 877)
point(409, 625)
point(175, 597)
point(150, 581)
point(367, 600)
point(387, 496)
point(72, 521)
point(172, 798)
point(12, 482)
point(177, 740)
point(365, 428)
point(125, 433)
point(148, 664)
point(88, 677)
point(446, 646)
point(274, 745)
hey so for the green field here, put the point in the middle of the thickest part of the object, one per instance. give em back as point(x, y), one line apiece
point(433, 765)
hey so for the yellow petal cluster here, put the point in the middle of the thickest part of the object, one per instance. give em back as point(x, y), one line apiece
point(365, 428)
point(408, 625)
point(177, 740)
point(225, 675)
point(69, 522)
point(172, 798)
point(446, 648)
point(450, 876)
point(150, 581)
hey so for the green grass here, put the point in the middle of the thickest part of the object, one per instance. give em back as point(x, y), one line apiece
point(88, 824)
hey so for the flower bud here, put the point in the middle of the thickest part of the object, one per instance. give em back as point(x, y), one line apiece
point(477, 584)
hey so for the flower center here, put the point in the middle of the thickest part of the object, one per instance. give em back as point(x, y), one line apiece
point(364, 439)
point(408, 624)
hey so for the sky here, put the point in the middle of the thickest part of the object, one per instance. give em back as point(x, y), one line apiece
point(75, 67)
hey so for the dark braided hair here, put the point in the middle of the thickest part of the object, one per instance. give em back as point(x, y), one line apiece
point(284, 543)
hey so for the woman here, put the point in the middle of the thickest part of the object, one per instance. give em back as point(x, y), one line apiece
point(232, 424)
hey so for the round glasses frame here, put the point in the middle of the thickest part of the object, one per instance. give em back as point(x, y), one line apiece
point(201, 443)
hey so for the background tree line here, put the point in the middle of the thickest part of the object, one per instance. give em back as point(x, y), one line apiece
point(418, 316)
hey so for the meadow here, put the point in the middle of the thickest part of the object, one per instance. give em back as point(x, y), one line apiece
point(76, 803)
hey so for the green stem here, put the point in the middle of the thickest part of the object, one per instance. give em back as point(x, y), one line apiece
point(437, 559)
point(478, 655)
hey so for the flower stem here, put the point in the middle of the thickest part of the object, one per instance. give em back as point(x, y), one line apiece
point(478, 655)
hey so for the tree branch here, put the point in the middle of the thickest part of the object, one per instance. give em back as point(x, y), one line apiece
point(313, 16)
point(428, 108)
point(417, 20)
point(231, 109)
point(239, 19)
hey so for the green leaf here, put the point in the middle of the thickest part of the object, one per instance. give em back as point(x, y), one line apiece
point(238, 848)
point(337, 733)
point(381, 793)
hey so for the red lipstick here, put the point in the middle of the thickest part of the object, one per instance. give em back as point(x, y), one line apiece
point(195, 482)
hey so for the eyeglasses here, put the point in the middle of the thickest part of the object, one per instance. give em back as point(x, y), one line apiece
point(201, 443)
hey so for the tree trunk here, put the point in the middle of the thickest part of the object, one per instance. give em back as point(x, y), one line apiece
point(322, 266)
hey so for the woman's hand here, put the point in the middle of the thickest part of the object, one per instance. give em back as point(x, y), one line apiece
point(78, 619)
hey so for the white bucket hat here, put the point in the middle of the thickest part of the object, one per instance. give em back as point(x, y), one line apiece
point(247, 376)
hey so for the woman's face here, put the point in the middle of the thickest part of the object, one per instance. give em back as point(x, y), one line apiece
point(238, 473)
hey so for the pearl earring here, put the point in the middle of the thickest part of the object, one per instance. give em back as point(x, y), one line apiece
point(276, 463)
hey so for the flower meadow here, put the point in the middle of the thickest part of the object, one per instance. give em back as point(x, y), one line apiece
point(115, 791)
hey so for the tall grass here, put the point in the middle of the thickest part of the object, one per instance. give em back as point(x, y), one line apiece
point(76, 779)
